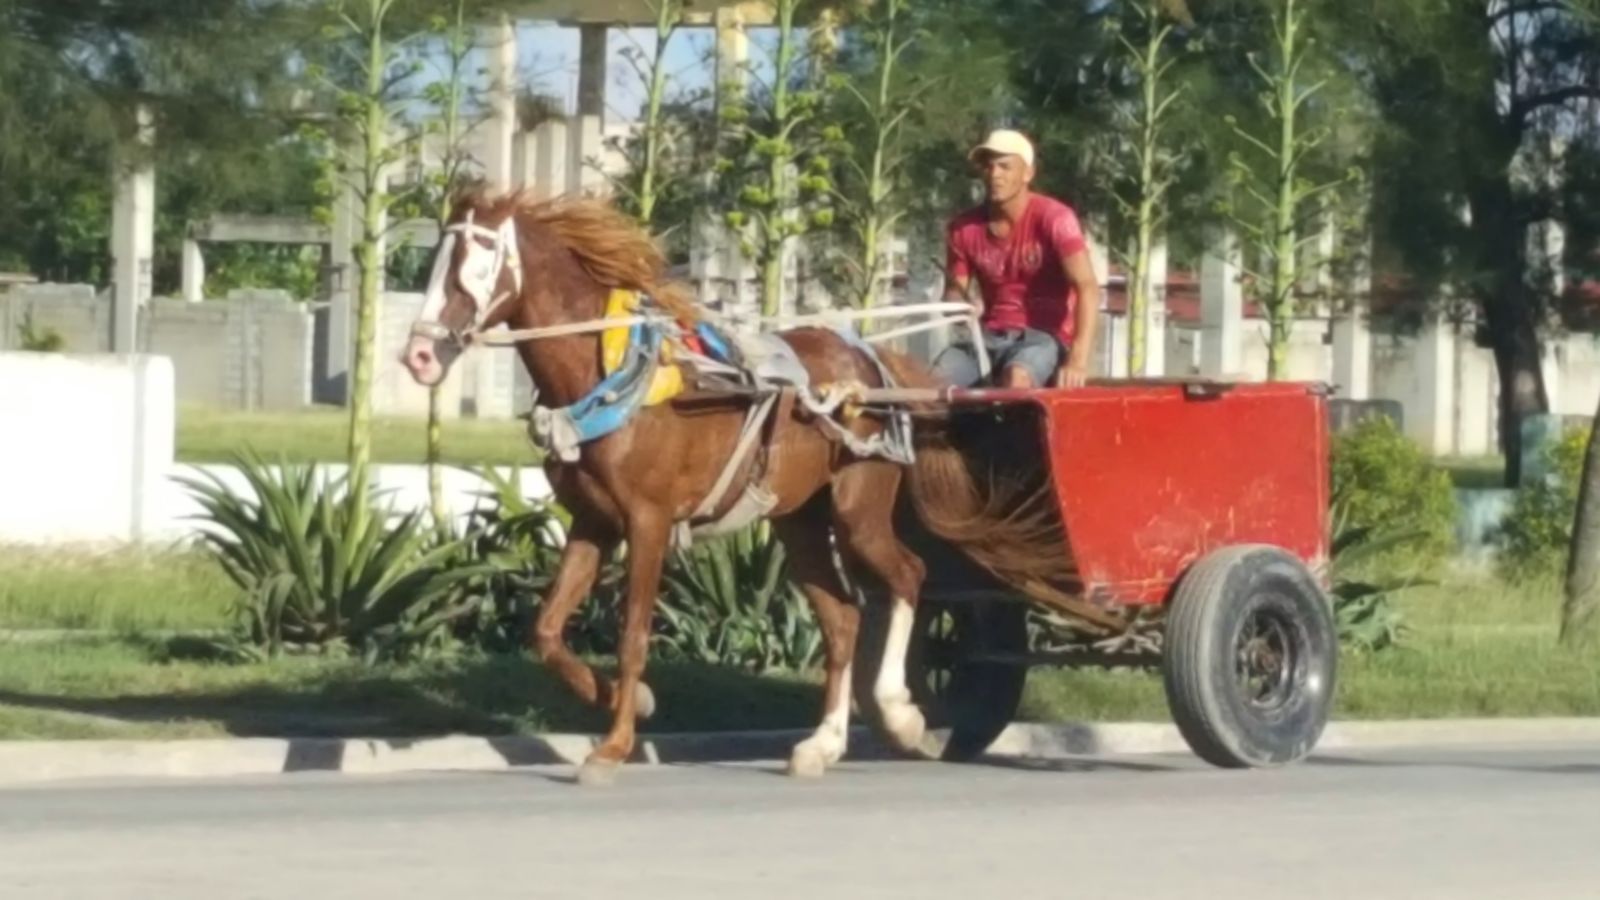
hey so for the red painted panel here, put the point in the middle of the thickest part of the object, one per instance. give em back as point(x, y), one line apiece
point(1150, 478)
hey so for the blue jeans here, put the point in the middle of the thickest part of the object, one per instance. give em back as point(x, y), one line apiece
point(1039, 353)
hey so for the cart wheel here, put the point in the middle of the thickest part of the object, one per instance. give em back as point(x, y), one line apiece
point(975, 699)
point(1251, 658)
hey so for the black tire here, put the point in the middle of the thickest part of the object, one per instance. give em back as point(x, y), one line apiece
point(975, 699)
point(1251, 658)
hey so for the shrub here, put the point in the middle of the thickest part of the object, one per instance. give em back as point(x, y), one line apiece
point(1535, 535)
point(1384, 483)
point(728, 601)
point(520, 541)
point(1363, 589)
point(314, 578)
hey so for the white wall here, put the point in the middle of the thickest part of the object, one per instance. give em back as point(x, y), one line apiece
point(85, 442)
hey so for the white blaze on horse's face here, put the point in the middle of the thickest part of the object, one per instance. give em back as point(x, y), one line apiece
point(488, 270)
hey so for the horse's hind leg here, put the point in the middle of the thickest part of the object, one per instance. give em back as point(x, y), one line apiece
point(575, 576)
point(863, 500)
point(805, 541)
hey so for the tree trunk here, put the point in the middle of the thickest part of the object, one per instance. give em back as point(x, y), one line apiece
point(1510, 312)
point(1580, 614)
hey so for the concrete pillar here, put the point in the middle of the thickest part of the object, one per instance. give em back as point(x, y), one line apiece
point(133, 226)
point(500, 131)
point(1221, 309)
point(194, 272)
point(1155, 323)
point(588, 131)
point(550, 159)
point(342, 280)
point(1433, 426)
point(1352, 334)
point(733, 50)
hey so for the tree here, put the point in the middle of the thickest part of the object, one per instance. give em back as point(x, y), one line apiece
point(1279, 202)
point(1498, 78)
point(776, 158)
point(1146, 144)
point(1580, 613)
point(885, 94)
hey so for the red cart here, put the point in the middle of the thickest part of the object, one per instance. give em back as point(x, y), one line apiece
point(1196, 515)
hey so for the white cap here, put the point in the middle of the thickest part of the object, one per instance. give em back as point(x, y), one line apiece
point(1006, 143)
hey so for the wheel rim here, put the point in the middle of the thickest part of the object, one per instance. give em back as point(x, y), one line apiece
point(1266, 659)
point(941, 653)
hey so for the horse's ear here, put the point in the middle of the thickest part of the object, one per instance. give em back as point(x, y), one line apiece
point(465, 194)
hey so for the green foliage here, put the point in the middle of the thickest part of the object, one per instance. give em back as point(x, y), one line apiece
point(1536, 536)
point(320, 573)
point(1384, 482)
point(520, 543)
point(1364, 587)
point(729, 602)
point(34, 340)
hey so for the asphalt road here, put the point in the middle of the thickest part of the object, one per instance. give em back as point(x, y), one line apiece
point(1506, 823)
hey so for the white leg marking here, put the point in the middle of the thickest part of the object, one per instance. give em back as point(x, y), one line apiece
point(827, 744)
point(901, 719)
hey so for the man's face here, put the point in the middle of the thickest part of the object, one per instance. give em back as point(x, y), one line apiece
point(1004, 176)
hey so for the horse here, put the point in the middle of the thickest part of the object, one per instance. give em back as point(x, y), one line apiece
point(514, 260)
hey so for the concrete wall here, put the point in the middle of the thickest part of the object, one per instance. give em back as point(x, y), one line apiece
point(252, 351)
point(75, 311)
point(88, 441)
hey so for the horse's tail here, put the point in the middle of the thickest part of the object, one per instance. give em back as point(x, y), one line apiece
point(998, 507)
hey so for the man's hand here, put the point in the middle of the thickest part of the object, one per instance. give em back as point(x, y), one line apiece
point(1072, 375)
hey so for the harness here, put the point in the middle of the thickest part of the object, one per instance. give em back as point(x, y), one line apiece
point(643, 352)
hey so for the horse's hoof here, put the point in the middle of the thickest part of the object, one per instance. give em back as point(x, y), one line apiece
point(808, 761)
point(905, 727)
point(598, 773)
point(644, 702)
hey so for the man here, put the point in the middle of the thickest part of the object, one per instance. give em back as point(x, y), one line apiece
point(1031, 261)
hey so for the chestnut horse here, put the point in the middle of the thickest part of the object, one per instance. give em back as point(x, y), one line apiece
point(525, 264)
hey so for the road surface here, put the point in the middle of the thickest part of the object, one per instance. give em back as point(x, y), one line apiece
point(1517, 823)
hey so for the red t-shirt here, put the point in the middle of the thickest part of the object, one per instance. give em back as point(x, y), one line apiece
point(1023, 282)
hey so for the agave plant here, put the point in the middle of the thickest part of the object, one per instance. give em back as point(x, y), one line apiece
point(728, 601)
point(520, 542)
point(316, 576)
point(1363, 604)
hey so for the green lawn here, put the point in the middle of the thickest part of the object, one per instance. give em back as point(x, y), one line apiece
point(1473, 472)
point(1476, 648)
point(321, 435)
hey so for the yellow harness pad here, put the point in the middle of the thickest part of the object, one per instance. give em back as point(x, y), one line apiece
point(668, 380)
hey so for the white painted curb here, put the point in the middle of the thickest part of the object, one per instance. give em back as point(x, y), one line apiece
point(35, 762)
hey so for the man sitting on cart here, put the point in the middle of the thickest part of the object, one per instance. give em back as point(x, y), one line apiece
point(1031, 261)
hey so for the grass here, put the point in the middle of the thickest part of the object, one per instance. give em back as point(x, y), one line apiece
point(122, 591)
point(131, 688)
point(1476, 649)
point(1474, 472)
point(321, 435)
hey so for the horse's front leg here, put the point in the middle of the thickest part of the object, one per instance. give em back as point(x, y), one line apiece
point(587, 545)
point(648, 532)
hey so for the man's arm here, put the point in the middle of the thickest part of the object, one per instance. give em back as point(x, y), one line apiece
point(1080, 271)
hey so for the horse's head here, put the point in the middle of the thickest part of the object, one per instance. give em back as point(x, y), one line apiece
point(477, 277)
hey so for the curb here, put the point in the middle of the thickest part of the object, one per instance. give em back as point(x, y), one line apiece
point(35, 762)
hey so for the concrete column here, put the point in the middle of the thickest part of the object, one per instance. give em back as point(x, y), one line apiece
point(550, 159)
point(133, 226)
point(342, 281)
point(1155, 323)
point(1352, 334)
point(733, 50)
point(500, 131)
point(1221, 309)
point(1433, 426)
point(194, 272)
point(588, 128)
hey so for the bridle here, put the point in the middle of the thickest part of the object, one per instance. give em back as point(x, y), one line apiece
point(482, 270)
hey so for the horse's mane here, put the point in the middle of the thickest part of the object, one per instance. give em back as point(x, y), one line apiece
point(609, 244)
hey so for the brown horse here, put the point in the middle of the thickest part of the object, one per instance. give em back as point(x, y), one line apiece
point(509, 260)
